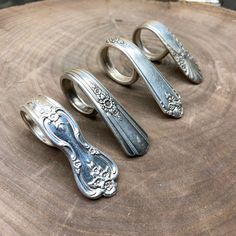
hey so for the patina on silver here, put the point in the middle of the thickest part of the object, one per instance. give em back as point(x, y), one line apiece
point(130, 135)
point(172, 45)
point(166, 97)
point(94, 172)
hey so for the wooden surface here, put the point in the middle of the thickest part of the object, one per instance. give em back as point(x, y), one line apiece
point(184, 185)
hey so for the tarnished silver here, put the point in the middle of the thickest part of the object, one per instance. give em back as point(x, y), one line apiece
point(166, 97)
point(94, 172)
point(130, 135)
point(172, 45)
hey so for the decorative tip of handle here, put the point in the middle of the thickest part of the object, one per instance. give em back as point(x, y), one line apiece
point(187, 64)
point(192, 71)
point(141, 149)
point(176, 113)
point(175, 107)
point(103, 174)
point(103, 180)
point(197, 77)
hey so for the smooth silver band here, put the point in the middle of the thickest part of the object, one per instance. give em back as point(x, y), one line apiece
point(166, 97)
point(130, 135)
point(94, 172)
point(172, 45)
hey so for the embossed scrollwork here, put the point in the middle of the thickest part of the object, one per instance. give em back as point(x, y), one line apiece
point(57, 128)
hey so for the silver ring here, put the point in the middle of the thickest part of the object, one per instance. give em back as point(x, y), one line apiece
point(130, 135)
point(172, 45)
point(166, 97)
point(94, 172)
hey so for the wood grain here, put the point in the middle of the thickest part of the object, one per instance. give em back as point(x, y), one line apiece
point(184, 185)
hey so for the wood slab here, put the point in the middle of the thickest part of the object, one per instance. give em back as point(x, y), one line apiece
point(184, 185)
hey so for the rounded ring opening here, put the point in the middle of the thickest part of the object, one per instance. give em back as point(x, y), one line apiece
point(35, 128)
point(72, 91)
point(114, 73)
point(153, 53)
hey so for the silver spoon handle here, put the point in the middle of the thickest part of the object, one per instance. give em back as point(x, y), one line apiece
point(166, 97)
point(94, 172)
point(130, 135)
point(172, 45)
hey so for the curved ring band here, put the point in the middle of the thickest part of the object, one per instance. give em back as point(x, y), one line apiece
point(130, 135)
point(94, 172)
point(166, 97)
point(172, 45)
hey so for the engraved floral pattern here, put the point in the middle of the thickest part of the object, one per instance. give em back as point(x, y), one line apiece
point(185, 60)
point(106, 102)
point(92, 150)
point(102, 179)
point(96, 171)
point(77, 165)
point(115, 40)
point(50, 113)
point(44, 111)
point(47, 112)
point(174, 105)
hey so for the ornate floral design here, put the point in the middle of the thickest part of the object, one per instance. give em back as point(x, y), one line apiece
point(94, 172)
point(102, 179)
point(174, 105)
point(52, 115)
point(185, 60)
point(77, 165)
point(92, 150)
point(106, 102)
point(47, 112)
point(115, 40)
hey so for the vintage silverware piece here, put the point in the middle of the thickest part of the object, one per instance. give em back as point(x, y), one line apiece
point(130, 135)
point(166, 97)
point(172, 45)
point(94, 172)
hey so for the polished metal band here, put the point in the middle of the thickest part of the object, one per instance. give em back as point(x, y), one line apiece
point(94, 172)
point(166, 97)
point(172, 45)
point(130, 135)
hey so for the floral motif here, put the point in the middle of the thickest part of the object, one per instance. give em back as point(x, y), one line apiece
point(102, 179)
point(106, 102)
point(174, 105)
point(115, 40)
point(181, 56)
point(185, 61)
point(77, 165)
point(92, 150)
point(50, 113)
point(47, 112)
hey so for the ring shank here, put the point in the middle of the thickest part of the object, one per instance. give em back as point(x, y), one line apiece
point(112, 71)
point(70, 89)
point(34, 123)
point(138, 41)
